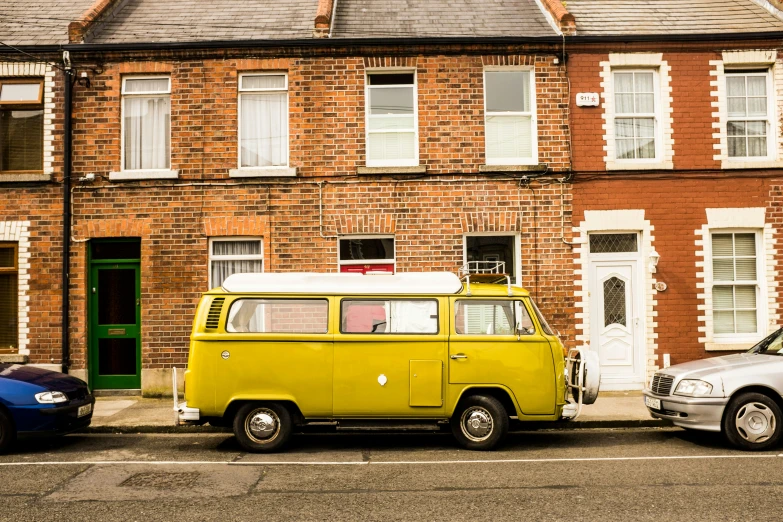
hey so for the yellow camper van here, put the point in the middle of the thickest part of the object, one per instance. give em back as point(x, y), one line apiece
point(273, 351)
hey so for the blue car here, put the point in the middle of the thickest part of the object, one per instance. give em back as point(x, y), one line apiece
point(35, 402)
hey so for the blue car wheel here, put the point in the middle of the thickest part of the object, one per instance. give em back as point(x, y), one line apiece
point(7, 433)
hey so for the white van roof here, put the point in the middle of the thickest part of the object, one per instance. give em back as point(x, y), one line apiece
point(344, 283)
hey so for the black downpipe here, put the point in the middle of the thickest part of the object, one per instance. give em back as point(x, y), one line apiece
point(66, 358)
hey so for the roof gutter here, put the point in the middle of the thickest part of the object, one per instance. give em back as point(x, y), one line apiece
point(395, 42)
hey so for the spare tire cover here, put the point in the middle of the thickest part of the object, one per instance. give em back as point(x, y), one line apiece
point(592, 376)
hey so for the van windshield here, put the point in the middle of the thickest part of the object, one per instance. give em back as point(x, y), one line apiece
point(544, 325)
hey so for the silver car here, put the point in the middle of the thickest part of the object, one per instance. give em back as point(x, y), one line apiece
point(740, 395)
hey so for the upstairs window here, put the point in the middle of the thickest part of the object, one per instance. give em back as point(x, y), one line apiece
point(146, 123)
point(749, 114)
point(392, 134)
point(510, 129)
point(263, 116)
point(21, 125)
point(635, 121)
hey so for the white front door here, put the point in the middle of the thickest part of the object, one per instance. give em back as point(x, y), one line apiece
point(615, 324)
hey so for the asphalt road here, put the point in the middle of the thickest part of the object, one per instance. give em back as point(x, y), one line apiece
point(631, 474)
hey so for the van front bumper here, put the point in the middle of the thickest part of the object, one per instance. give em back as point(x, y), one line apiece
point(698, 413)
point(186, 415)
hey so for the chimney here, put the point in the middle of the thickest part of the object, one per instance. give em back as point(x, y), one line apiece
point(323, 18)
point(564, 19)
point(78, 29)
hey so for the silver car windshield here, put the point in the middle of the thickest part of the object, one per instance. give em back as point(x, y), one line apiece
point(770, 345)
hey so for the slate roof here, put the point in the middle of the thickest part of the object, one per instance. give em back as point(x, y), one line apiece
point(38, 22)
point(669, 17)
point(438, 18)
point(209, 20)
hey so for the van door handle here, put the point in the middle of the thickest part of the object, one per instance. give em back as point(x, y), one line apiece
point(459, 356)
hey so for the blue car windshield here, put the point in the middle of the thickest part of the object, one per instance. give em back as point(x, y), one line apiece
point(770, 345)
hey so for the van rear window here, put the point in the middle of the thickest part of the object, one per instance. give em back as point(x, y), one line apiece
point(279, 316)
point(406, 316)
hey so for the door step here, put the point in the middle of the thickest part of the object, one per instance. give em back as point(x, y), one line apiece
point(383, 425)
point(117, 393)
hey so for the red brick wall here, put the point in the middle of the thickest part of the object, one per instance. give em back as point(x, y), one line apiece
point(428, 215)
point(41, 204)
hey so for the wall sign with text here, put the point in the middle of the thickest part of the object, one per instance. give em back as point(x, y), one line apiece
point(587, 99)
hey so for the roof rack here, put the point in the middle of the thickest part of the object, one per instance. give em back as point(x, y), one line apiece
point(484, 272)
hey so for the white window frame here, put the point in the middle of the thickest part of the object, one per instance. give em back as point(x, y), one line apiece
point(656, 115)
point(533, 159)
point(391, 163)
point(240, 92)
point(517, 275)
point(761, 300)
point(124, 96)
point(392, 261)
point(771, 129)
point(243, 257)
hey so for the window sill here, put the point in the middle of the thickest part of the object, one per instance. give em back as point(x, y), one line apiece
point(729, 346)
point(263, 172)
point(540, 167)
point(136, 175)
point(12, 177)
point(14, 358)
point(751, 164)
point(658, 165)
point(418, 169)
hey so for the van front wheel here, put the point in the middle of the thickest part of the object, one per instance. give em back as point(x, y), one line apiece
point(479, 423)
point(262, 428)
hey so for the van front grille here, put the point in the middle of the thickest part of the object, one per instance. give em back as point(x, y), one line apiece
point(662, 384)
point(213, 317)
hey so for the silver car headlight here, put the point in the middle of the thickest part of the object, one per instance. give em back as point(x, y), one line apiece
point(51, 397)
point(693, 388)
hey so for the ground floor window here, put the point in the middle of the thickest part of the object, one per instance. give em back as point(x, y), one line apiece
point(735, 282)
point(364, 254)
point(488, 249)
point(229, 256)
point(9, 297)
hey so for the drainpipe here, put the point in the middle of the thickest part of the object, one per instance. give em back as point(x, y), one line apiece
point(66, 213)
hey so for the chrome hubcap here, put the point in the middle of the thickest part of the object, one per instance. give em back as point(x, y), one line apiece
point(262, 425)
point(476, 423)
point(755, 422)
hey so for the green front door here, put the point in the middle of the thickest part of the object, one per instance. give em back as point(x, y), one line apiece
point(115, 324)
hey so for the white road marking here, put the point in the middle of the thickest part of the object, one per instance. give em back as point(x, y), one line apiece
point(374, 463)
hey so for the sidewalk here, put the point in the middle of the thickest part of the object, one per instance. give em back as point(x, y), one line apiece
point(141, 415)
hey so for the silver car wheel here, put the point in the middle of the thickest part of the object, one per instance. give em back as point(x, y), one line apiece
point(262, 425)
point(755, 422)
point(476, 423)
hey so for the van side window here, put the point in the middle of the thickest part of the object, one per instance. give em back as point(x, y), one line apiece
point(411, 316)
point(279, 316)
point(481, 317)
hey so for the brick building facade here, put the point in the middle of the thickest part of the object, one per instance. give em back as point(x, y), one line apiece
point(326, 201)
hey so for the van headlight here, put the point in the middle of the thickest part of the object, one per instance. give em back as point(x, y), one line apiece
point(693, 388)
point(51, 397)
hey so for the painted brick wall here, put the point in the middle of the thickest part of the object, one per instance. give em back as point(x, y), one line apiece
point(676, 208)
point(300, 219)
point(692, 115)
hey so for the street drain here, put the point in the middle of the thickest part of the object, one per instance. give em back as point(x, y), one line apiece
point(161, 480)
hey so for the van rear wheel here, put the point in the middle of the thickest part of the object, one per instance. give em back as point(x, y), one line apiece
point(262, 428)
point(479, 423)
